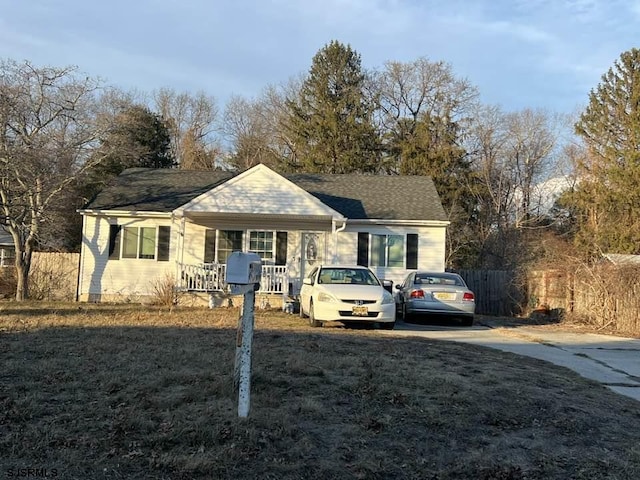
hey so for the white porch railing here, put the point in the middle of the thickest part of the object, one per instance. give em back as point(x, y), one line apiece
point(203, 277)
point(210, 277)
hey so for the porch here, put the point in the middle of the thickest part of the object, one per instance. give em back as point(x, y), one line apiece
point(210, 277)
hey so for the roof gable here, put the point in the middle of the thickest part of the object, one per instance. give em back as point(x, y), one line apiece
point(258, 190)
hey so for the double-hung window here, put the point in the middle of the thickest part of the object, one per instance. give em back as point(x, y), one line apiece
point(262, 244)
point(270, 246)
point(150, 243)
point(139, 242)
point(381, 250)
point(387, 250)
point(229, 241)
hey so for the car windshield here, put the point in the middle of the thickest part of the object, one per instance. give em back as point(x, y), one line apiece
point(357, 276)
point(431, 279)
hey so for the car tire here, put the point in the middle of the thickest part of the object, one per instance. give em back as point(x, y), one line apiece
point(406, 317)
point(387, 325)
point(312, 319)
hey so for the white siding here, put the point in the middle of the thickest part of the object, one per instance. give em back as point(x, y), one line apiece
point(259, 191)
point(193, 244)
point(431, 248)
point(130, 278)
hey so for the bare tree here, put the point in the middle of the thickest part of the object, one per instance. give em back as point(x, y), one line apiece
point(421, 87)
point(192, 124)
point(530, 152)
point(256, 130)
point(247, 127)
point(48, 129)
point(511, 154)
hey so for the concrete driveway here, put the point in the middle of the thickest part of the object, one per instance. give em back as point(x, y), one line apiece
point(612, 361)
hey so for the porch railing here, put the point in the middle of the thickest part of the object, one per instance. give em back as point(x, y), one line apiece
point(210, 277)
point(203, 277)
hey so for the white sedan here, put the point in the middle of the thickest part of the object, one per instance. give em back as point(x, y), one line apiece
point(346, 294)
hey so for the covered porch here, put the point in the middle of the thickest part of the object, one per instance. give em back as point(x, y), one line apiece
point(210, 277)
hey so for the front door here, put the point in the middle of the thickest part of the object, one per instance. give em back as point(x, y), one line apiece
point(313, 251)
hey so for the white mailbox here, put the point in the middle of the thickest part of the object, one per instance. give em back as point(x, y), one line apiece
point(243, 269)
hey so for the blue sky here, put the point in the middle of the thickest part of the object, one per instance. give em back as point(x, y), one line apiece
point(520, 54)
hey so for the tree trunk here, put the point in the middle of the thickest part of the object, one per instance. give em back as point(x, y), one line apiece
point(23, 265)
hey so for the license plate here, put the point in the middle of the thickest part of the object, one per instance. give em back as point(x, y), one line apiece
point(444, 295)
point(360, 311)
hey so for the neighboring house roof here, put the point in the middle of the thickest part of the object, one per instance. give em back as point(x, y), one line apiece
point(622, 259)
point(356, 196)
point(6, 240)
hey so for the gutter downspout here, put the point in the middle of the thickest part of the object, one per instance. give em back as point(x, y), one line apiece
point(335, 237)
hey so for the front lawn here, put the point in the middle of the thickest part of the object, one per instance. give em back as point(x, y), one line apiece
point(104, 391)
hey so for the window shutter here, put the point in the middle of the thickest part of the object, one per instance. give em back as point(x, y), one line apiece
point(209, 246)
point(114, 242)
point(281, 248)
point(363, 249)
point(412, 251)
point(164, 240)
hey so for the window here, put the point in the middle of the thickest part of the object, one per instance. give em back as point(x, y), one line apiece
point(139, 242)
point(7, 256)
point(229, 241)
point(147, 244)
point(130, 242)
point(387, 250)
point(262, 244)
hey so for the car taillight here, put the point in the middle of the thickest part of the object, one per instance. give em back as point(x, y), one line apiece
point(417, 294)
point(468, 296)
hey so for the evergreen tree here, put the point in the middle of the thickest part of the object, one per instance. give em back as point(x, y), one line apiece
point(330, 122)
point(607, 200)
point(137, 138)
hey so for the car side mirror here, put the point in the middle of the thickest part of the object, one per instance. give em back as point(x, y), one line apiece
point(399, 287)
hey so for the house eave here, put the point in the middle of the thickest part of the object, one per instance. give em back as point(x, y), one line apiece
point(124, 213)
point(280, 216)
point(408, 223)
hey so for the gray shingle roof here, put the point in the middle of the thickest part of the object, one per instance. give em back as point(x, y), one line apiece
point(388, 197)
point(155, 190)
point(356, 196)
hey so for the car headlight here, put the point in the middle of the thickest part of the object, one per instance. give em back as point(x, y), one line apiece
point(387, 298)
point(325, 297)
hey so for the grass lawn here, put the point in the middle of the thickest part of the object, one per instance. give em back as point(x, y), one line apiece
point(104, 391)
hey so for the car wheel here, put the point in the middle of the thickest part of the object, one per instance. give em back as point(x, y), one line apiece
point(312, 319)
point(387, 325)
point(406, 316)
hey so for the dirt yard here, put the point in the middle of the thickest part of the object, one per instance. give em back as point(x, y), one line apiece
point(104, 391)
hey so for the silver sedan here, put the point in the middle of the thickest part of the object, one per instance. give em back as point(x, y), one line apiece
point(436, 293)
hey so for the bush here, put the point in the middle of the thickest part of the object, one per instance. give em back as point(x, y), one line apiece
point(165, 292)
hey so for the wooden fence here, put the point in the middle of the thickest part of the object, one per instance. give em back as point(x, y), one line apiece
point(497, 291)
point(53, 276)
point(604, 295)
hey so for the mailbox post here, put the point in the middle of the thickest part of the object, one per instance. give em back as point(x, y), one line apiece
point(244, 271)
